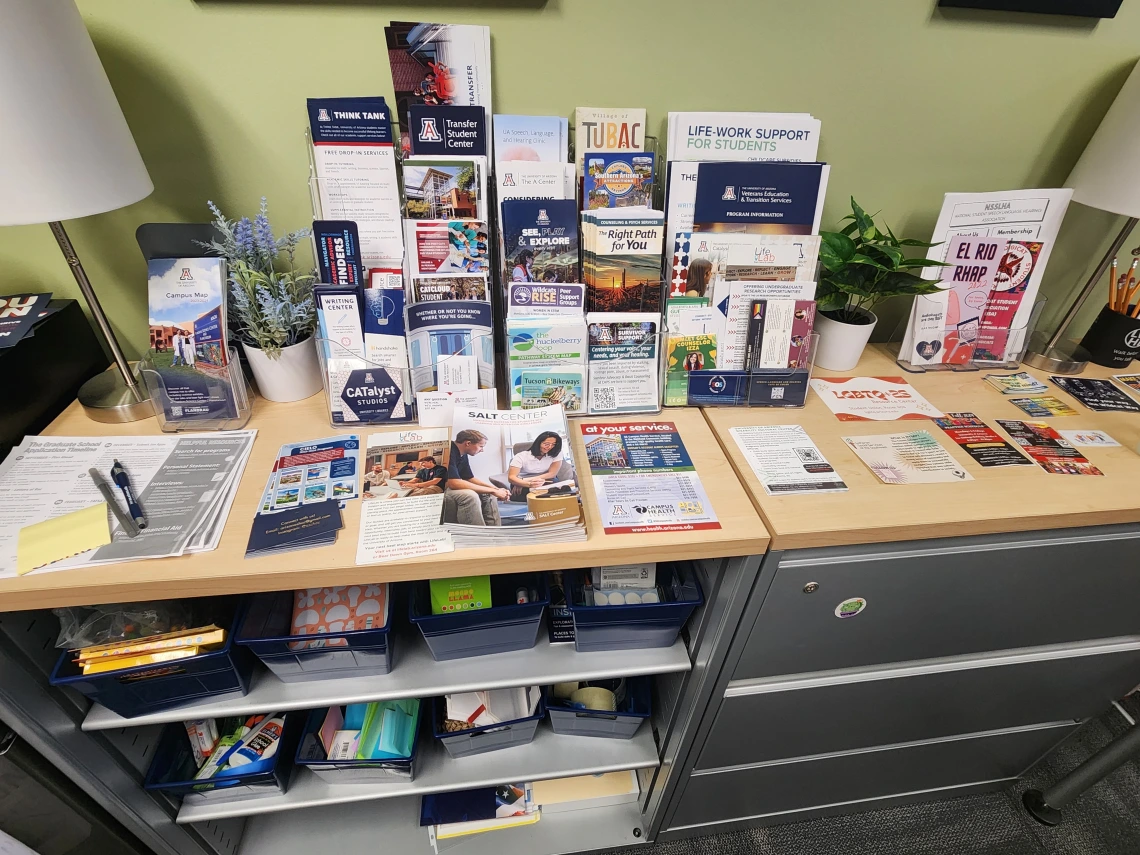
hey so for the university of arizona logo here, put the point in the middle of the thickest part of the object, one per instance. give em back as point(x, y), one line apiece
point(185, 277)
point(704, 247)
point(368, 377)
point(729, 194)
point(509, 179)
point(323, 115)
point(543, 219)
point(428, 131)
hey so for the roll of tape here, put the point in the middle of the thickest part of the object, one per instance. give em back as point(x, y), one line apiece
point(595, 699)
point(563, 690)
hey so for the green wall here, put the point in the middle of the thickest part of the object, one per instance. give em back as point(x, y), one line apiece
point(914, 102)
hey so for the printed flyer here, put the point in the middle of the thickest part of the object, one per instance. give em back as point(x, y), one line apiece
point(1043, 406)
point(861, 399)
point(786, 461)
point(1132, 381)
point(1098, 395)
point(1088, 438)
point(980, 441)
point(1048, 449)
point(907, 458)
point(644, 479)
point(311, 472)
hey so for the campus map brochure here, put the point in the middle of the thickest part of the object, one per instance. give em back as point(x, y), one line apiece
point(858, 399)
point(786, 461)
point(907, 458)
point(313, 471)
point(644, 479)
point(980, 441)
point(185, 485)
point(1047, 448)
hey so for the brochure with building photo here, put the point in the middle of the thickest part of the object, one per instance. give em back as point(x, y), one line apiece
point(448, 337)
point(511, 478)
point(607, 129)
point(445, 188)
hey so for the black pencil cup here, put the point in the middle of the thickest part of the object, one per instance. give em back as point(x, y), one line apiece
point(1113, 340)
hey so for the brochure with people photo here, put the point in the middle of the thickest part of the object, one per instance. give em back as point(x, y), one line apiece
point(511, 478)
point(400, 464)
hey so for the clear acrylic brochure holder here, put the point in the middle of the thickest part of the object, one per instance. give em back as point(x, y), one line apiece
point(230, 400)
point(987, 349)
point(765, 387)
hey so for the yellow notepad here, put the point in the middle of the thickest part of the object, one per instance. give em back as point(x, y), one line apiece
point(61, 537)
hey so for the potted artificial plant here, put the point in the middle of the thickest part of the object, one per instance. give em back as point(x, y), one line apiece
point(860, 267)
point(271, 304)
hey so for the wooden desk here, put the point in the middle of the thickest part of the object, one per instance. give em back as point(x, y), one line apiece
point(1002, 499)
point(226, 571)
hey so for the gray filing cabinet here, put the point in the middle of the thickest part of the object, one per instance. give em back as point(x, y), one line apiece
point(971, 658)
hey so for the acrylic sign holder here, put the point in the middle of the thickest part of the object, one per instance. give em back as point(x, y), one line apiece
point(222, 383)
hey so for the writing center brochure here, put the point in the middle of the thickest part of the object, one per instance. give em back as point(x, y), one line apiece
point(187, 298)
point(645, 479)
point(765, 198)
point(511, 478)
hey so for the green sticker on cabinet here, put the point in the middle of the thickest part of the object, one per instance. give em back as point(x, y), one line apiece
point(850, 608)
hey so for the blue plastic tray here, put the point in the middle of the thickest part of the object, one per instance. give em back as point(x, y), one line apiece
point(151, 688)
point(356, 653)
point(310, 756)
point(491, 737)
point(622, 723)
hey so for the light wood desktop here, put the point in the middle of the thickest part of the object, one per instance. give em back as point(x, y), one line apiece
point(1000, 499)
point(227, 571)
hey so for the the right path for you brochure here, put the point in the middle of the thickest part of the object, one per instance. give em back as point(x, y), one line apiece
point(644, 478)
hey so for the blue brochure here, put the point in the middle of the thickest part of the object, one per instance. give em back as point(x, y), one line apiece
point(349, 120)
point(446, 129)
point(338, 252)
point(768, 197)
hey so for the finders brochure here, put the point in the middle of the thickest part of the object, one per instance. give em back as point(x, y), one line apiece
point(607, 129)
point(907, 458)
point(644, 479)
point(617, 180)
point(188, 343)
point(313, 471)
point(622, 260)
point(743, 136)
point(1029, 220)
point(540, 240)
point(354, 163)
point(623, 362)
point(785, 461)
point(539, 139)
point(859, 399)
point(512, 478)
point(1047, 448)
point(980, 441)
point(765, 198)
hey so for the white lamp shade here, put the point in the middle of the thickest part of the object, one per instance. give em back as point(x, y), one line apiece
point(65, 148)
point(1108, 174)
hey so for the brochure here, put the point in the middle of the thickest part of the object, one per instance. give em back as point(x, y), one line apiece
point(859, 399)
point(1098, 395)
point(512, 478)
point(980, 441)
point(617, 180)
point(442, 332)
point(541, 139)
point(687, 353)
point(1048, 448)
point(524, 179)
point(623, 362)
point(406, 463)
point(447, 129)
point(607, 129)
point(547, 362)
point(354, 161)
point(436, 409)
point(785, 460)
point(428, 289)
point(709, 257)
point(1131, 381)
point(338, 252)
point(1043, 406)
point(907, 458)
point(540, 240)
point(971, 283)
point(621, 259)
point(1088, 438)
point(764, 198)
point(446, 247)
point(1021, 383)
point(311, 472)
point(397, 531)
point(445, 188)
point(1029, 220)
point(743, 136)
point(733, 304)
point(545, 299)
point(299, 527)
point(644, 479)
point(779, 334)
point(385, 345)
point(19, 313)
point(188, 338)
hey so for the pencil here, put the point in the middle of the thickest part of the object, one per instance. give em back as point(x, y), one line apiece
point(1112, 294)
point(1130, 287)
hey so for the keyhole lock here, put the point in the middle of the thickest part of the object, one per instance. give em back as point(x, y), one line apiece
point(811, 587)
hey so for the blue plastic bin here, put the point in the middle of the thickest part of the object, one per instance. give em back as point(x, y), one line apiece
point(635, 626)
point(491, 737)
point(620, 724)
point(311, 756)
point(356, 653)
point(483, 631)
point(173, 768)
point(151, 688)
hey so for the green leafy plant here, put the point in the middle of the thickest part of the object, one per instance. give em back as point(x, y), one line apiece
point(862, 266)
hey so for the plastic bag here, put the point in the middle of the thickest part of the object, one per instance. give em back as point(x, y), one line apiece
point(84, 626)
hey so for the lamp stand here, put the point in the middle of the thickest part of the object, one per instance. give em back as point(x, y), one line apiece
point(1071, 358)
point(113, 396)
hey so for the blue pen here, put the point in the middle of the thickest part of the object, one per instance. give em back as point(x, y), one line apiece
point(119, 476)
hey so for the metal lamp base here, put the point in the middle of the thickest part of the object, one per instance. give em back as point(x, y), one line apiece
point(107, 398)
point(1065, 357)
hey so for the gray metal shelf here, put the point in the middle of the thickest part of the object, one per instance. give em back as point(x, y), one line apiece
point(416, 675)
point(393, 826)
point(548, 756)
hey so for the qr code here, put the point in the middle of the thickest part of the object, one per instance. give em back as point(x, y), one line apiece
point(808, 455)
point(778, 393)
point(175, 412)
point(603, 398)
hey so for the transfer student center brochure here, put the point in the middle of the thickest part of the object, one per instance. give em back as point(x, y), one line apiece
point(644, 478)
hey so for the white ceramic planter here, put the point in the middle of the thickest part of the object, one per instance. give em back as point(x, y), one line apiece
point(841, 345)
point(295, 375)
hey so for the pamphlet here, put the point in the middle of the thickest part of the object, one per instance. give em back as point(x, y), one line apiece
point(1021, 383)
point(980, 441)
point(547, 362)
point(1043, 406)
point(446, 247)
point(313, 471)
point(545, 299)
point(764, 198)
point(701, 259)
point(446, 129)
point(907, 458)
point(644, 479)
point(733, 303)
point(622, 258)
point(540, 240)
point(976, 261)
point(1048, 448)
point(542, 139)
point(1098, 395)
point(617, 180)
point(857, 399)
point(397, 531)
point(442, 330)
point(1088, 438)
point(19, 313)
point(623, 362)
point(436, 409)
point(298, 527)
point(1131, 381)
point(785, 460)
point(445, 188)
point(607, 129)
point(743, 136)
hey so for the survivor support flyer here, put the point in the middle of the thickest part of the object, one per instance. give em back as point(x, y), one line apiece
point(1048, 449)
point(980, 441)
point(644, 479)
